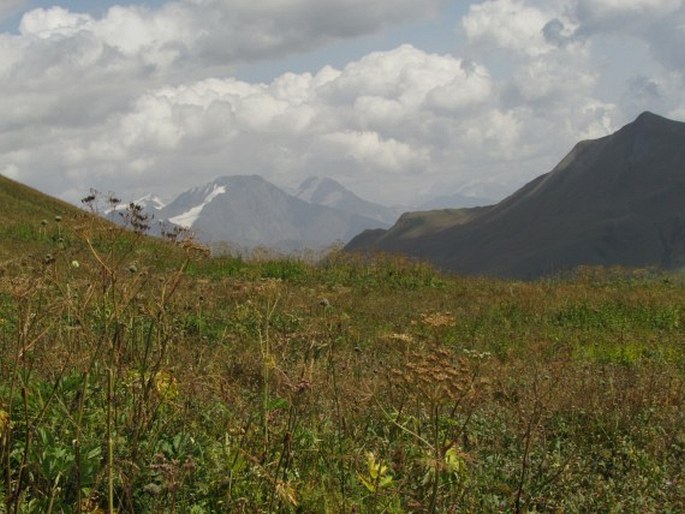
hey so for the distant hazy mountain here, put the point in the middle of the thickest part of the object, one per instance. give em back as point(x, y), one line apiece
point(618, 200)
point(248, 211)
point(327, 192)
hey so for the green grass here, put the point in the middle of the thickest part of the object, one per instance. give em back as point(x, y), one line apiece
point(150, 378)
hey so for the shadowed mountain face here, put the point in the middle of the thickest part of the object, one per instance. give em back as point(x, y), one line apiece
point(618, 200)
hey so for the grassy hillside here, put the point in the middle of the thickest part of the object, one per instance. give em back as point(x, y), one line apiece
point(35, 227)
point(220, 385)
point(26, 214)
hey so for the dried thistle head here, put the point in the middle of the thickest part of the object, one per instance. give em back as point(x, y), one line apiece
point(436, 377)
point(193, 247)
point(438, 319)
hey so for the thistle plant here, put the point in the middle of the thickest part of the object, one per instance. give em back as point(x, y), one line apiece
point(444, 392)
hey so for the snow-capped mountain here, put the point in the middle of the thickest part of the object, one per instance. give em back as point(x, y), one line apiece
point(199, 198)
point(327, 192)
point(150, 202)
point(150, 206)
point(248, 211)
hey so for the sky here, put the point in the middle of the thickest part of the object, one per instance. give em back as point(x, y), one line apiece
point(396, 99)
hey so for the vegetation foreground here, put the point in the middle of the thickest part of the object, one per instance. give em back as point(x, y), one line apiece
point(135, 377)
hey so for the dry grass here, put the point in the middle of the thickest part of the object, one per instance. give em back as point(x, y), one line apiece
point(346, 386)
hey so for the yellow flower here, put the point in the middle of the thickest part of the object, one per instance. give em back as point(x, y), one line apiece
point(286, 492)
point(4, 423)
point(454, 461)
point(378, 477)
point(165, 385)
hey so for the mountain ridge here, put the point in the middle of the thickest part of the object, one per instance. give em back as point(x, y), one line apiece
point(613, 200)
point(247, 211)
point(330, 193)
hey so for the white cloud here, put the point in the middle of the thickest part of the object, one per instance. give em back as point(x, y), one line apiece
point(510, 24)
point(667, 40)
point(660, 24)
point(369, 150)
point(53, 22)
point(376, 115)
point(605, 14)
point(142, 99)
point(11, 171)
point(195, 33)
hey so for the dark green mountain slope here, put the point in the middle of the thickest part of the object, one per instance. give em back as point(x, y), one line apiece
point(618, 200)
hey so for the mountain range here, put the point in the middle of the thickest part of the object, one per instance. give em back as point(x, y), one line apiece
point(330, 193)
point(617, 200)
point(247, 211)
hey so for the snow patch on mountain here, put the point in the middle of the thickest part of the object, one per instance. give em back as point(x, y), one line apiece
point(187, 218)
point(151, 200)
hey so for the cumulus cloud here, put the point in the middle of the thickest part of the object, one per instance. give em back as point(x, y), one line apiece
point(537, 27)
point(667, 40)
point(657, 23)
point(377, 115)
point(514, 25)
point(192, 33)
point(142, 99)
point(622, 15)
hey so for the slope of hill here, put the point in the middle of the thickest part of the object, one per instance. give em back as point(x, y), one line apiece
point(248, 211)
point(35, 227)
point(20, 203)
point(25, 214)
point(453, 201)
point(618, 200)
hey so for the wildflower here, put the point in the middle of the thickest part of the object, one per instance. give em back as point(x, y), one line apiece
point(398, 338)
point(455, 461)
point(378, 476)
point(75, 264)
point(4, 422)
point(153, 489)
point(43, 222)
point(286, 492)
point(58, 218)
point(166, 385)
point(133, 268)
point(438, 319)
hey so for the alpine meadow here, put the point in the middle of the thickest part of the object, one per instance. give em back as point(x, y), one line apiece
point(140, 374)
